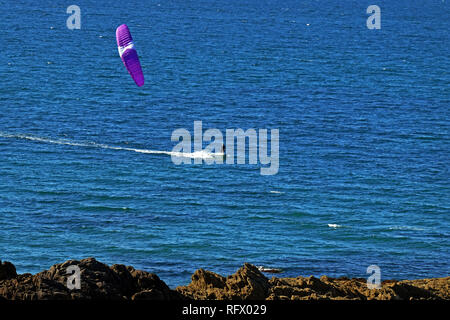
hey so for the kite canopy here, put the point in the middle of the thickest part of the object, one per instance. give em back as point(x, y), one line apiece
point(128, 54)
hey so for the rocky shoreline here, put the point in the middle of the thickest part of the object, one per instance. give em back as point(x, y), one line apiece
point(120, 282)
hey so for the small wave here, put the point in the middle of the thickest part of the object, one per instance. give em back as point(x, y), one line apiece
point(406, 228)
point(333, 225)
point(276, 192)
point(269, 270)
point(100, 208)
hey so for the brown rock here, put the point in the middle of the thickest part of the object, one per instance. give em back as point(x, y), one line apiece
point(99, 281)
point(247, 283)
point(7, 270)
point(208, 280)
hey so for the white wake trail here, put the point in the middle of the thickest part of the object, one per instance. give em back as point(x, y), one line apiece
point(198, 154)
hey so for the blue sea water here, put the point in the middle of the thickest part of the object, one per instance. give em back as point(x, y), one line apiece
point(363, 117)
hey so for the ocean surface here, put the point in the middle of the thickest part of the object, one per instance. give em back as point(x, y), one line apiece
point(363, 120)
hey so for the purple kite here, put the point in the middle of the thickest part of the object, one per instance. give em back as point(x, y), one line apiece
point(128, 54)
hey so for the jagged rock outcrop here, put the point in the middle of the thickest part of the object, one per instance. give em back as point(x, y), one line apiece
point(120, 282)
point(248, 283)
point(326, 288)
point(98, 281)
